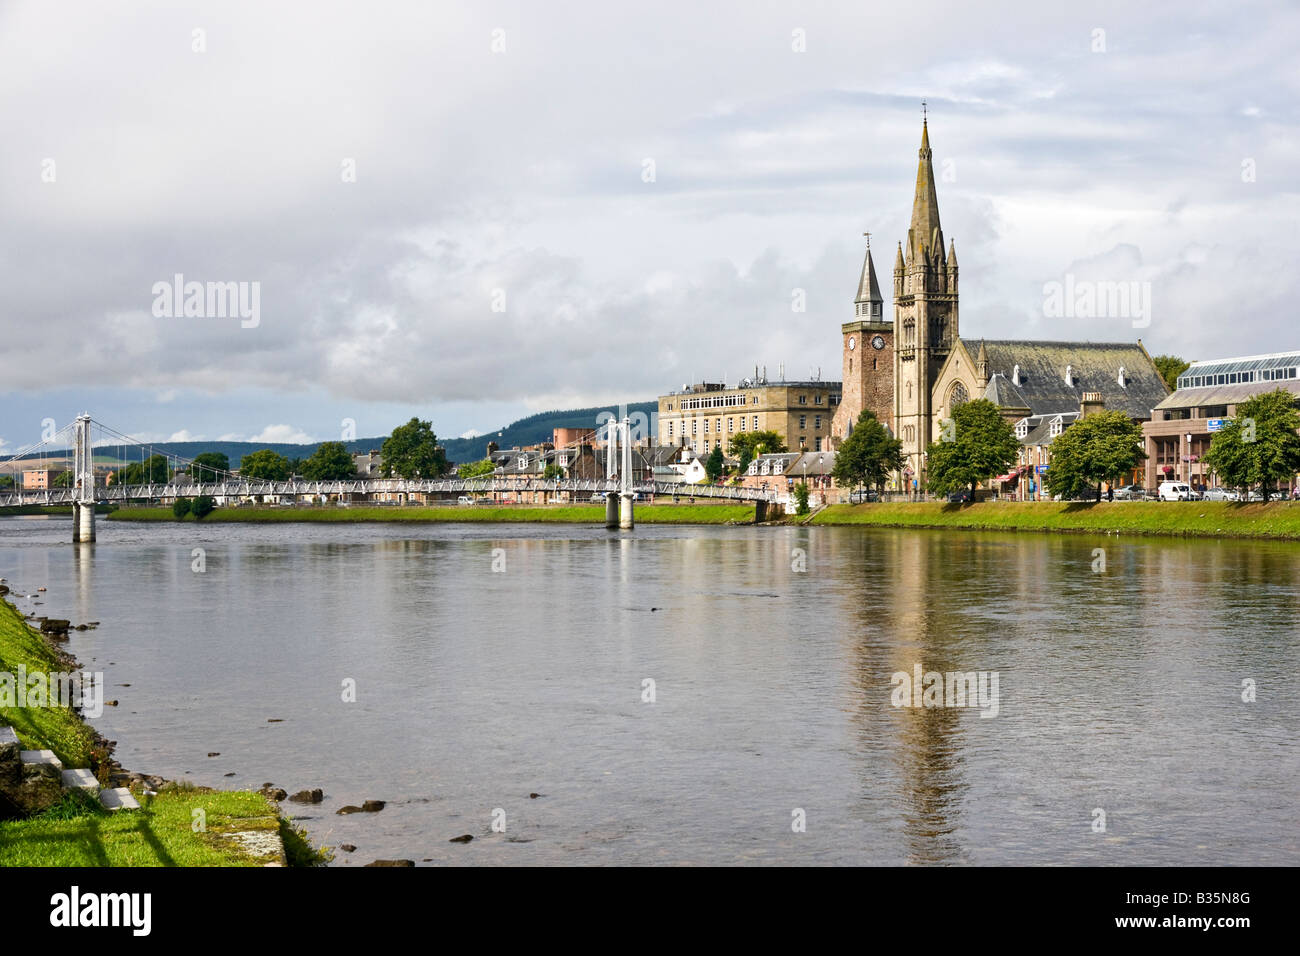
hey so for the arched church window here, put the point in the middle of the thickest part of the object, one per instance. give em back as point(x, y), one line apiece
point(957, 396)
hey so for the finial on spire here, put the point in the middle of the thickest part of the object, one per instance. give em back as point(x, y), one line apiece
point(923, 113)
point(868, 235)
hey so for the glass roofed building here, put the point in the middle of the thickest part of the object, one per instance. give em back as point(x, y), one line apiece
point(1276, 367)
point(1182, 426)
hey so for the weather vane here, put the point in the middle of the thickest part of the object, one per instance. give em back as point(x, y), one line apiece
point(868, 235)
point(923, 116)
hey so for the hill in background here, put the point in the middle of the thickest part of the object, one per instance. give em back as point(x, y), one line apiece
point(526, 431)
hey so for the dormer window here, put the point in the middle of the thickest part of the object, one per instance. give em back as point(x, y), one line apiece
point(1123, 377)
point(1015, 376)
point(1069, 376)
point(1022, 428)
point(1056, 427)
point(523, 462)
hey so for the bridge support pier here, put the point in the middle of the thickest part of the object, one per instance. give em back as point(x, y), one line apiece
point(83, 521)
point(625, 511)
point(760, 512)
point(611, 510)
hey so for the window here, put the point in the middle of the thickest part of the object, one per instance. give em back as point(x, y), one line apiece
point(755, 423)
point(803, 399)
point(706, 426)
point(817, 400)
point(803, 421)
point(817, 444)
point(670, 431)
point(730, 422)
point(957, 396)
point(523, 461)
point(695, 427)
point(817, 423)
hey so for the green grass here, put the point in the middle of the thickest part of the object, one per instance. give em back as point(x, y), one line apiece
point(160, 833)
point(39, 728)
point(584, 514)
point(78, 831)
point(1279, 519)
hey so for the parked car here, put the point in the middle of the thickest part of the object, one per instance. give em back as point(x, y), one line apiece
point(1130, 493)
point(1254, 495)
point(863, 495)
point(1176, 491)
point(1220, 494)
point(464, 500)
point(960, 496)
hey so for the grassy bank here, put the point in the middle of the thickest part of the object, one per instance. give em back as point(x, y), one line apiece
point(79, 832)
point(1185, 518)
point(575, 514)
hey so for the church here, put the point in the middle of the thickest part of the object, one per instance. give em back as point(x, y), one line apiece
point(912, 370)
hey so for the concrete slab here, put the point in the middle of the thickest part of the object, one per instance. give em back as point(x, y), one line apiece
point(7, 736)
point(42, 756)
point(119, 798)
point(80, 778)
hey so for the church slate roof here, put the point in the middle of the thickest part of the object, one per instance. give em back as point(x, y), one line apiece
point(1095, 366)
point(1001, 392)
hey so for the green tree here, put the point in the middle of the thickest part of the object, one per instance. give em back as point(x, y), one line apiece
point(749, 445)
point(714, 464)
point(155, 470)
point(983, 444)
point(412, 451)
point(868, 456)
point(6, 481)
point(476, 469)
point(1101, 447)
point(266, 465)
point(180, 508)
point(202, 507)
point(552, 471)
point(63, 480)
point(1260, 446)
point(209, 466)
point(1170, 367)
point(801, 498)
point(331, 462)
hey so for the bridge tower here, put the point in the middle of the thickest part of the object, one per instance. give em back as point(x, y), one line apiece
point(618, 464)
point(83, 482)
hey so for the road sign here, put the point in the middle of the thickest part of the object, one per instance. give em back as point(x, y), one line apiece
point(1042, 469)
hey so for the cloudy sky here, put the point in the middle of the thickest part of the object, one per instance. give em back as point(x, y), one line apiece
point(473, 211)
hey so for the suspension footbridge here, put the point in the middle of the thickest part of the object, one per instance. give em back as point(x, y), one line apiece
point(74, 447)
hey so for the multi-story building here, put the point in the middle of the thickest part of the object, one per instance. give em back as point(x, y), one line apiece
point(703, 416)
point(40, 479)
point(1208, 393)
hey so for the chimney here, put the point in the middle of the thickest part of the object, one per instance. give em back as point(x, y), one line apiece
point(1090, 404)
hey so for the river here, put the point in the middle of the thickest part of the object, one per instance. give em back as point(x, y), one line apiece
point(491, 662)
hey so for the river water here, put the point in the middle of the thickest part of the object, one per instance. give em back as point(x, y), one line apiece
point(494, 662)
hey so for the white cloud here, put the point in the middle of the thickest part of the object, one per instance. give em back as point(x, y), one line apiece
point(184, 435)
point(282, 433)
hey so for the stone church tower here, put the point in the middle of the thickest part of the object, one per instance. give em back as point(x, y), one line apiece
point(868, 350)
point(925, 318)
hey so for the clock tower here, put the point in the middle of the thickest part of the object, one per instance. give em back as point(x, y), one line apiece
point(868, 346)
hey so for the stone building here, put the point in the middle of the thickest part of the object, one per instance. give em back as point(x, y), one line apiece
point(702, 416)
point(933, 370)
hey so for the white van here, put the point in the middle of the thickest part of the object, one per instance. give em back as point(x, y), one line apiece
point(1175, 491)
point(464, 500)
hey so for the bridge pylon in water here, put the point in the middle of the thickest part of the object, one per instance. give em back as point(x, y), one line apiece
point(618, 465)
point(83, 482)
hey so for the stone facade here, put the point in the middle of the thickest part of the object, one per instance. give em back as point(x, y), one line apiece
point(702, 415)
point(867, 345)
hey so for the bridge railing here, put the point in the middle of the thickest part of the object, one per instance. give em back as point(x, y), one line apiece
point(225, 490)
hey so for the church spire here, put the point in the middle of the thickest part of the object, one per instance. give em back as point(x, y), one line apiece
point(925, 233)
point(869, 304)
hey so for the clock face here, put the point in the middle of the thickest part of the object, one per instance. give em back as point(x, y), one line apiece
point(878, 342)
point(852, 343)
